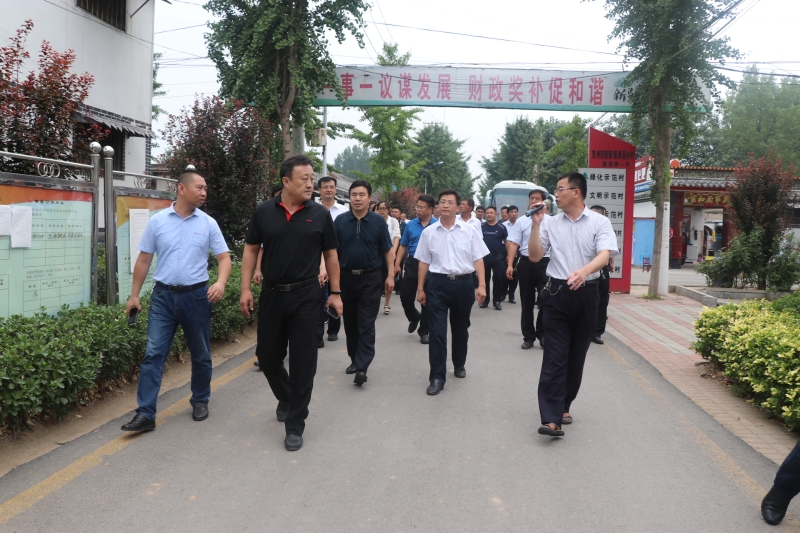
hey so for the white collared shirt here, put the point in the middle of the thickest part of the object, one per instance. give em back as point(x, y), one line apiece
point(520, 234)
point(473, 221)
point(394, 228)
point(574, 244)
point(451, 251)
point(337, 210)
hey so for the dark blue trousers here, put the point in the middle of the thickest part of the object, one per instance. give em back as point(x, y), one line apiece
point(787, 480)
point(569, 319)
point(457, 297)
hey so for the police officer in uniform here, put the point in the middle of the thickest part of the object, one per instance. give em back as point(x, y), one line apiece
point(450, 254)
point(295, 231)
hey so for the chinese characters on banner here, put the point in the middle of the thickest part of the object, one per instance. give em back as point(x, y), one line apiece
point(477, 87)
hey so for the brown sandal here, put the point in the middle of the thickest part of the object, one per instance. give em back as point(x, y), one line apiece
point(566, 419)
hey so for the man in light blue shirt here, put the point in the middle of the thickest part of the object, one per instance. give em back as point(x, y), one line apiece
point(180, 236)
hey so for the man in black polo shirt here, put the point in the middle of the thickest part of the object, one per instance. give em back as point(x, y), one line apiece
point(364, 245)
point(494, 236)
point(294, 231)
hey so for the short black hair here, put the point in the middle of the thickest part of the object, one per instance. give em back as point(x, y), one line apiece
point(513, 208)
point(428, 199)
point(187, 177)
point(388, 207)
point(361, 183)
point(278, 187)
point(600, 207)
point(493, 208)
point(577, 180)
point(470, 202)
point(287, 167)
point(481, 208)
point(539, 192)
point(325, 179)
point(504, 207)
point(451, 192)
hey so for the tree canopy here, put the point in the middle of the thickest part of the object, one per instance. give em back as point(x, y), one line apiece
point(353, 158)
point(445, 166)
point(274, 54)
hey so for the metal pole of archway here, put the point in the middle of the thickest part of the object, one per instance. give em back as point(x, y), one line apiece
point(111, 227)
point(95, 148)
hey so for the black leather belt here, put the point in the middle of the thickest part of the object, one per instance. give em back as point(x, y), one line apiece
point(288, 287)
point(181, 288)
point(589, 283)
point(361, 271)
point(453, 277)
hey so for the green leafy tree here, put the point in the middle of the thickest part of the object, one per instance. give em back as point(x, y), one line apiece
point(389, 136)
point(762, 113)
point(571, 150)
point(674, 44)
point(274, 54)
point(231, 145)
point(354, 158)
point(445, 166)
point(521, 154)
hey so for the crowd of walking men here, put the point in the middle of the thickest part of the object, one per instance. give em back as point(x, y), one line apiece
point(319, 262)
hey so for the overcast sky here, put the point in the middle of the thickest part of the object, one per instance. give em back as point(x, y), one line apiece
point(765, 32)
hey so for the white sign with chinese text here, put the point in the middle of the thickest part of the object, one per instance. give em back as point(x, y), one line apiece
point(606, 187)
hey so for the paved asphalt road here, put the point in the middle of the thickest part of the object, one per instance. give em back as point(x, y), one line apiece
point(640, 456)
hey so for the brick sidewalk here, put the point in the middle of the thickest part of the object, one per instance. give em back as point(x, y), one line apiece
point(661, 332)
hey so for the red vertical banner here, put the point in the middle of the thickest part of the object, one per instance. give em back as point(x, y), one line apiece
point(611, 153)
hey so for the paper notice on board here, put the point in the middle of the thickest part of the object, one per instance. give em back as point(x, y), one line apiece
point(5, 220)
point(21, 226)
point(138, 221)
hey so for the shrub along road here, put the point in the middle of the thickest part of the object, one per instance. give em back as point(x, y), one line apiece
point(386, 457)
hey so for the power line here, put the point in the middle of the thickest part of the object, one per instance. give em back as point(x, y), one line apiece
point(179, 29)
point(500, 39)
point(384, 20)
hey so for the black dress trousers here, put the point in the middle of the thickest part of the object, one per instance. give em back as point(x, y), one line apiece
point(510, 287)
point(787, 480)
point(602, 305)
point(361, 298)
point(494, 268)
point(288, 319)
point(408, 296)
point(457, 297)
point(569, 319)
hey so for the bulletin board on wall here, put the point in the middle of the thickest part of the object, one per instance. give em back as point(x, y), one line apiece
point(136, 200)
point(46, 230)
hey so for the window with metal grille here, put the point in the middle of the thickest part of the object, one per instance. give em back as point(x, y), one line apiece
point(111, 11)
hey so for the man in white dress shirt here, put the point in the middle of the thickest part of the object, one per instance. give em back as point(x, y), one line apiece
point(467, 205)
point(450, 252)
point(580, 243)
point(327, 196)
point(512, 256)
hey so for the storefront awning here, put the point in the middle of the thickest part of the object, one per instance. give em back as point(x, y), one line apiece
point(117, 124)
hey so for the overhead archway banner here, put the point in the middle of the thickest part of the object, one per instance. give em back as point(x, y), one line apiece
point(556, 90)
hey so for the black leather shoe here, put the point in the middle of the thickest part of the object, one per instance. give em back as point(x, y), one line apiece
point(282, 412)
point(199, 412)
point(541, 343)
point(484, 305)
point(351, 369)
point(140, 423)
point(498, 306)
point(424, 339)
point(333, 337)
point(321, 343)
point(460, 372)
point(773, 507)
point(527, 345)
point(412, 326)
point(293, 442)
point(255, 364)
point(598, 340)
point(361, 378)
point(435, 387)
point(511, 300)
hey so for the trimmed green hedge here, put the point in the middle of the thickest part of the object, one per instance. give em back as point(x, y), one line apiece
point(757, 346)
point(49, 363)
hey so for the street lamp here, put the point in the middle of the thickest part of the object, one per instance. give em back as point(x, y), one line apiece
point(427, 173)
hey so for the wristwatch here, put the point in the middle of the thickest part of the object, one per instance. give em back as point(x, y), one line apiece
point(335, 292)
